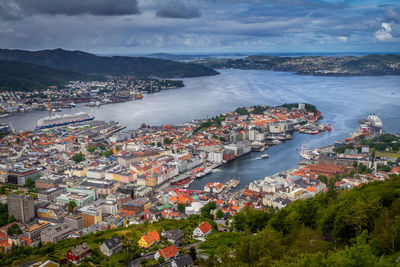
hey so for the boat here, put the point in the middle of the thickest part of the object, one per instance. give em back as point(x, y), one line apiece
point(4, 115)
point(306, 153)
point(233, 183)
point(61, 120)
point(200, 174)
point(4, 128)
point(72, 104)
point(264, 156)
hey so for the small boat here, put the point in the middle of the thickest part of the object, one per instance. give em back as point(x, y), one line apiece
point(264, 156)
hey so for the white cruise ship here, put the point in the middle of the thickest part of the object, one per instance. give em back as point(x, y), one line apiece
point(60, 120)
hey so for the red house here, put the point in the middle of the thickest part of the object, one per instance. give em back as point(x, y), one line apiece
point(78, 253)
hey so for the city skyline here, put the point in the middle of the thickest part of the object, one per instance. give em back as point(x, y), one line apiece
point(174, 26)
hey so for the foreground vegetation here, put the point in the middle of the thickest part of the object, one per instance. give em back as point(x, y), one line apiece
point(359, 227)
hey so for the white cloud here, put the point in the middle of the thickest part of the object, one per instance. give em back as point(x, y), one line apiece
point(383, 34)
point(343, 38)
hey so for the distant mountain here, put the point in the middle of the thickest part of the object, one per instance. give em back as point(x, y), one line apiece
point(24, 76)
point(83, 62)
point(314, 65)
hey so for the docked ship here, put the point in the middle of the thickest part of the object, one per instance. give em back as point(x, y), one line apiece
point(61, 120)
point(307, 154)
point(372, 122)
point(4, 129)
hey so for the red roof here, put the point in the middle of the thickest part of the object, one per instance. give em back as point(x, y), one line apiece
point(205, 227)
point(168, 252)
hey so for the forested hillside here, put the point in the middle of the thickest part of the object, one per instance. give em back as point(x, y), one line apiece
point(360, 227)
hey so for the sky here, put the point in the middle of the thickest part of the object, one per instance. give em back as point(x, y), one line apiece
point(201, 26)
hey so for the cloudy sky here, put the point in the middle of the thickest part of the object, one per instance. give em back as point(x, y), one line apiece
point(193, 26)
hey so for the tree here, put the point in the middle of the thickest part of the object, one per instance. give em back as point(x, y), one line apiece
point(14, 230)
point(219, 214)
point(167, 140)
point(181, 207)
point(78, 157)
point(323, 179)
point(193, 253)
point(161, 260)
point(205, 211)
point(72, 205)
point(30, 183)
point(355, 164)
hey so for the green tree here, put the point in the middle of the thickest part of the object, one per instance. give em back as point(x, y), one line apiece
point(220, 214)
point(14, 230)
point(323, 179)
point(72, 205)
point(78, 157)
point(167, 141)
point(30, 183)
point(161, 260)
point(181, 207)
point(193, 253)
point(355, 164)
point(205, 211)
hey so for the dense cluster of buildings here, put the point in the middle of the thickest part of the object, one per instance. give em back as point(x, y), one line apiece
point(82, 178)
point(112, 90)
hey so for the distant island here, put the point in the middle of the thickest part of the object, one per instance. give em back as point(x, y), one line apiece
point(370, 65)
point(38, 69)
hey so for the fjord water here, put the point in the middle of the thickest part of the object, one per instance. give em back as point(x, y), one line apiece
point(342, 101)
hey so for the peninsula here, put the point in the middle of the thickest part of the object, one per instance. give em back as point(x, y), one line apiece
point(370, 65)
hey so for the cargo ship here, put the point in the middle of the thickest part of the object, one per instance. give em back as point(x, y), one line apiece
point(61, 120)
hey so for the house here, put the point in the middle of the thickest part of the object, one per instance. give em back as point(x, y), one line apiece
point(202, 230)
point(111, 246)
point(78, 253)
point(149, 239)
point(167, 253)
point(182, 261)
point(174, 236)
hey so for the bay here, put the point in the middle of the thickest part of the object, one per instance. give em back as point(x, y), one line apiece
point(343, 101)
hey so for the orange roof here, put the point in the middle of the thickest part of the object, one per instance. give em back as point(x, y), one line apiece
point(205, 227)
point(168, 252)
point(151, 237)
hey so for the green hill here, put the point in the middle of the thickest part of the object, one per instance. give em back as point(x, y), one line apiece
point(359, 227)
point(83, 62)
point(23, 76)
point(314, 65)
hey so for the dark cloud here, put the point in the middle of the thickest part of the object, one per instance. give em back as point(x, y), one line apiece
point(178, 10)
point(13, 9)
